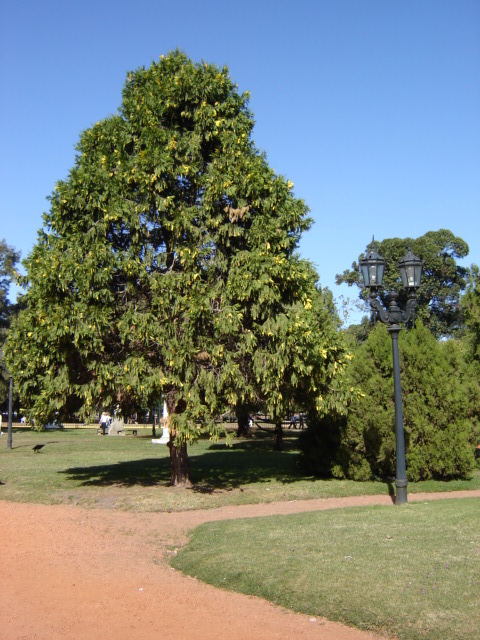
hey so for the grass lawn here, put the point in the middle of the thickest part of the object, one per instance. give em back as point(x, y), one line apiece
point(81, 467)
point(412, 571)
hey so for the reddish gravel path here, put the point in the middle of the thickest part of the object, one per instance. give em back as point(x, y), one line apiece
point(77, 574)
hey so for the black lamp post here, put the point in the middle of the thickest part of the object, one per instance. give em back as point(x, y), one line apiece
point(10, 395)
point(9, 428)
point(372, 268)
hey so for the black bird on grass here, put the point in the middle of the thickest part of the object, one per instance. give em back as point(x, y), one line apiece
point(37, 447)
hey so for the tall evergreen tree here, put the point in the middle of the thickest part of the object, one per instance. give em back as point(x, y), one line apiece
point(471, 308)
point(8, 260)
point(9, 257)
point(167, 265)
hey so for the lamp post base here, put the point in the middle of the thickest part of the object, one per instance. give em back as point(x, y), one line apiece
point(401, 492)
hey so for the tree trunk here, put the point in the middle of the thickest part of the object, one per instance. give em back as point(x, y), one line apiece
point(179, 469)
point(154, 435)
point(278, 439)
point(242, 421)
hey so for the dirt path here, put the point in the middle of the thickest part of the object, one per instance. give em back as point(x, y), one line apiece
point(77, 574)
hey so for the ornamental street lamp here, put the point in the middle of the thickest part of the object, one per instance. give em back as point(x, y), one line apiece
point(372, 268)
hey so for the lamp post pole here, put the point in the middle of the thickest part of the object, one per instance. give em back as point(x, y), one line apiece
point(401, 466)
point(372, 268)
point(10, 396)
point(10, 403)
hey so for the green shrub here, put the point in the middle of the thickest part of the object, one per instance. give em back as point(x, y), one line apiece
point(441, 396)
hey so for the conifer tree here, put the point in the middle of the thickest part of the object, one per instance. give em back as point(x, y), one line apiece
point(167, 266)
point(471, 309)
point(440, 411)
point(8, 260)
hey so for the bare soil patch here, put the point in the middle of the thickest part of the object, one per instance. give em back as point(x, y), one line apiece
point(87, 574)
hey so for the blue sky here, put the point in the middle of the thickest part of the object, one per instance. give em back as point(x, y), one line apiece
point(371, 107)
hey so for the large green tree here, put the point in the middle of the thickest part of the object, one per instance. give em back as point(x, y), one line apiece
point(443, 279)
point(8, 259)
point(167, 265)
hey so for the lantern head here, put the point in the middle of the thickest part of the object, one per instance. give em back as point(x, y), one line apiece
point(372, 268)
point(410, 270)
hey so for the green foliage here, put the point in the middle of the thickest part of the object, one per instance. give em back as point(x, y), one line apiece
point(8, 259)
point(440, 407)
point(471, 308)
point(167, 266)
point(443, 280)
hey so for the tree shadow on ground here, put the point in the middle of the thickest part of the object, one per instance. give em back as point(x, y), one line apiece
point(241, 466)
point(259, 445)
point(218, 468)
point(146, 473)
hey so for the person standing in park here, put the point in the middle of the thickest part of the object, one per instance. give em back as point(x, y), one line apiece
point(104, 422)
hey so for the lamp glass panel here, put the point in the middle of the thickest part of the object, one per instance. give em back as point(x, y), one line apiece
point(418, 274)
point(410, 275)
point(365, 275)
point(380, 270)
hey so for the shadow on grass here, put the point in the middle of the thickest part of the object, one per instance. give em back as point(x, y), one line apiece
point(260, 445)
point(146, 473)
point(242, 465)
point(249, 461)
point(218, 468)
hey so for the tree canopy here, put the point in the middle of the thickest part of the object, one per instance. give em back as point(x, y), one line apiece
point(9, 257)
point(8, 260)
point(471, 309)
point(167, 266)
point(443, 280)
